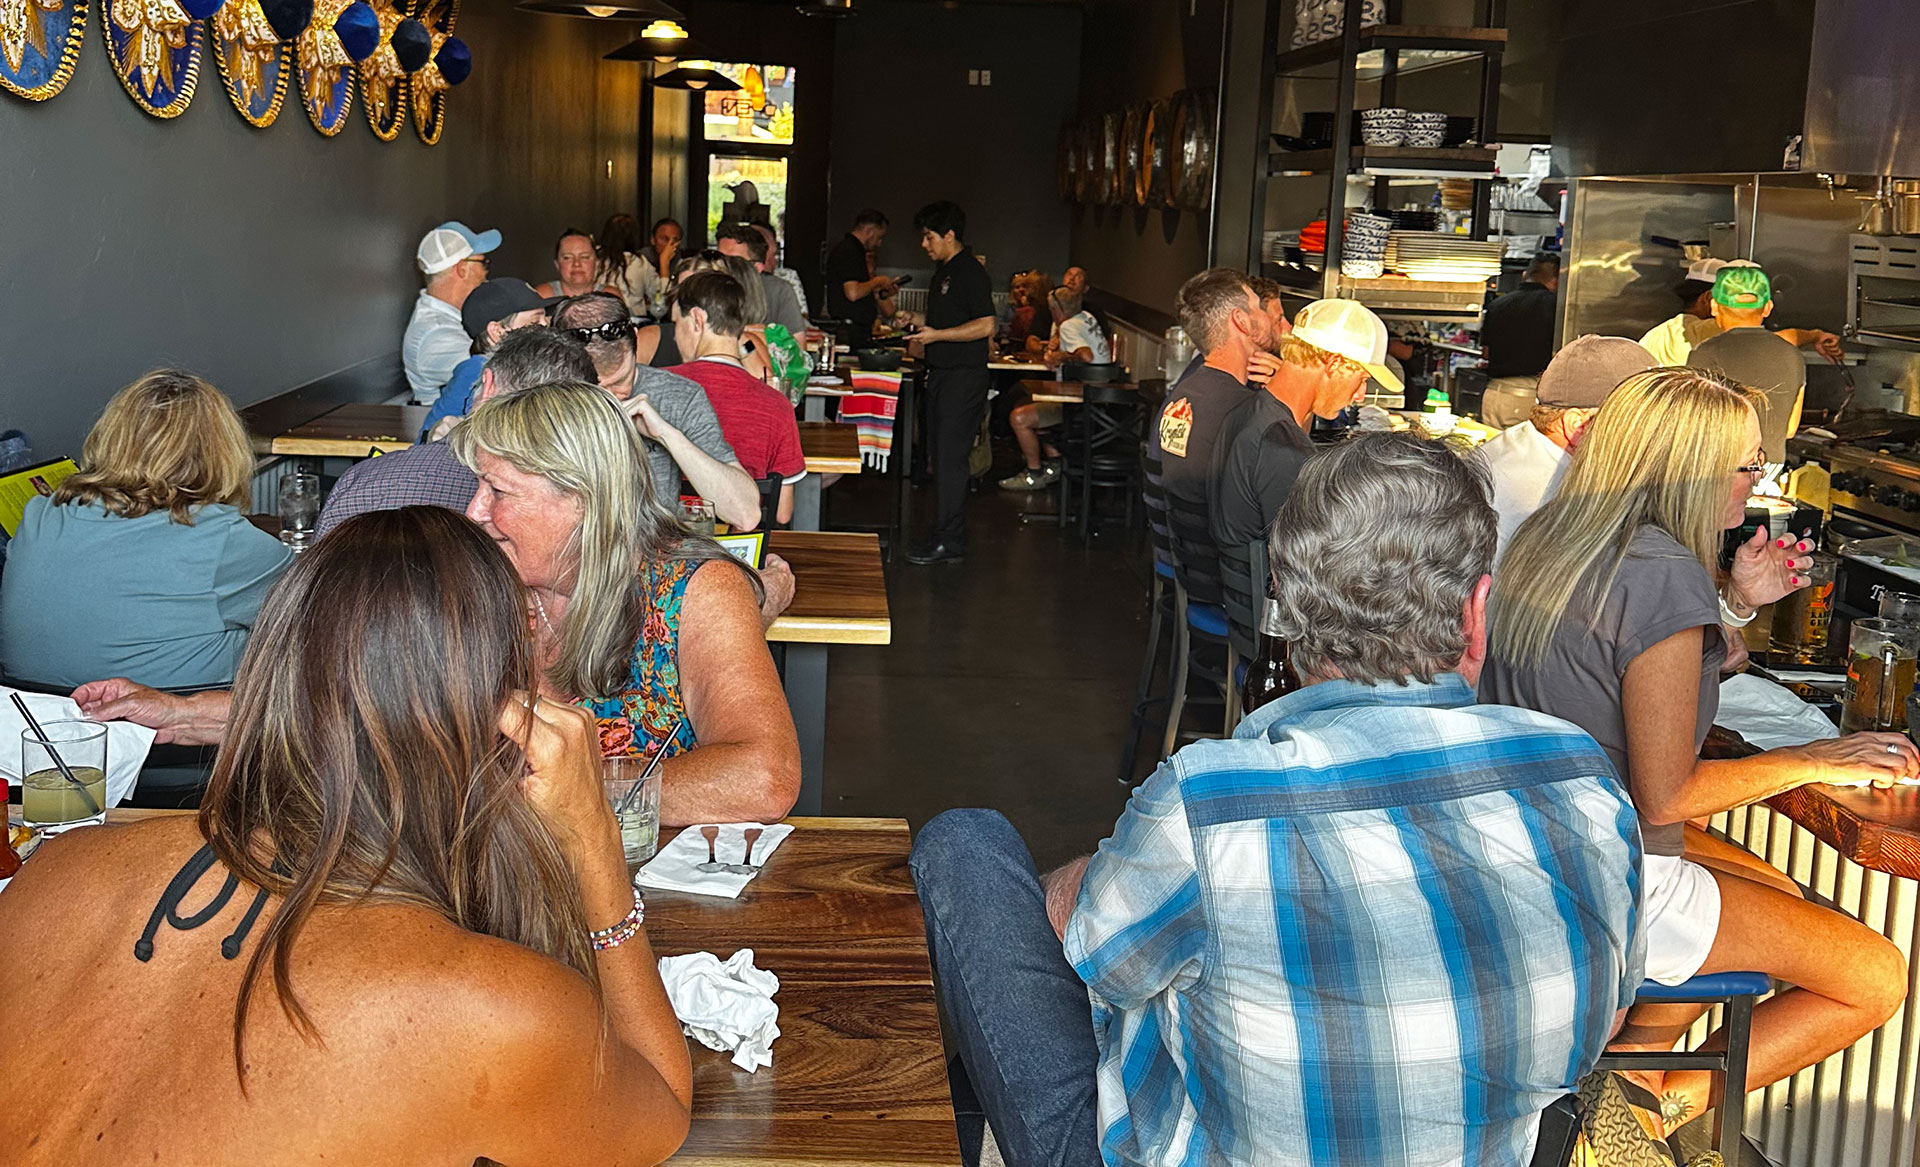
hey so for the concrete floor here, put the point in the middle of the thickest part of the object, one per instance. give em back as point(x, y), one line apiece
point(1009, 680)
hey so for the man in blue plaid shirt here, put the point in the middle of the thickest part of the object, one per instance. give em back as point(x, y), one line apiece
point(1381, 925)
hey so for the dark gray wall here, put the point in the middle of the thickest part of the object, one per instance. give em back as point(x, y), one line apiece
point(908, 129)
point(1143, 50)
point(265, 258)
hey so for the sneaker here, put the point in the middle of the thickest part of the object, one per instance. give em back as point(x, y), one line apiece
point(1052, 470)
point(1028, 480)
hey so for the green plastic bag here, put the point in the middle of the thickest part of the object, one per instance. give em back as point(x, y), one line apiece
point(789, 361)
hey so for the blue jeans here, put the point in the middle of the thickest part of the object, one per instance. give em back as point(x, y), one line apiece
point(1019, 1013)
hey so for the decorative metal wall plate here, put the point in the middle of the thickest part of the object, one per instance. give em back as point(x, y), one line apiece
point(255, 64)
point(326, 72)
point(384, 84)
point(39, 45)
point(429, 100)
point(1088, 137)
point(1067, 167)
point(1157, 141)
point(1107, 171)
point(155, 49)
point(1132, 131)
point(1193, 145)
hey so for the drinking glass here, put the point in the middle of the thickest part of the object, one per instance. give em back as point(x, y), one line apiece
point(47, 799)
point(1801, 619)
point(696, 514)
point(640, 821)
point(1880, 671)
point(299, 508)
point(1901, 607)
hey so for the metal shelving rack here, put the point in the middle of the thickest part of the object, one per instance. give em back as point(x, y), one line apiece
point(1401, 49)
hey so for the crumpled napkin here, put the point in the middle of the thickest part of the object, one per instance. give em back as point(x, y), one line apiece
point(127, 743)
point(1769, 715)
point(676, 867)
point(725, 1006)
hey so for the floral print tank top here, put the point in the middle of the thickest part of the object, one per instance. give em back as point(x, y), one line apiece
point(636, 720)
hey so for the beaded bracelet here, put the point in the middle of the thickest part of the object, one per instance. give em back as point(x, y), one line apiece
point(625, 929)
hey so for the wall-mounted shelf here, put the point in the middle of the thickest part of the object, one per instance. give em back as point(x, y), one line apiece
point(1420, 46)
point(1404, 161)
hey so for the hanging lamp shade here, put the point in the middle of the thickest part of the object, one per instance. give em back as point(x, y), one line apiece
point(826, 9)
point(623, 10)
point(663, 51)
point(454, 60)
point(201, 9)
point(696, 78)
point(359, 30)
point(288, 18)
point(412, 45)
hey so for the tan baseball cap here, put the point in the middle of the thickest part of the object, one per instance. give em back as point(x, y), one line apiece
point(1347, 328)
point(1582, 374)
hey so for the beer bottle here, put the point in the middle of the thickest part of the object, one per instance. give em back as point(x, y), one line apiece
point(1270, 674)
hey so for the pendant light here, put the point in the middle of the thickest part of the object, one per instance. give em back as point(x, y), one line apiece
point(623, 10)
point(697, 78)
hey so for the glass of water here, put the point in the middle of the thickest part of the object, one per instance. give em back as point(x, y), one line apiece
point(299, 508)
point(50, 801)
point(696, 515)
point(640, 820)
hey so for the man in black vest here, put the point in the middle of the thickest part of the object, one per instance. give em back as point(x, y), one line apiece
point(959, 323)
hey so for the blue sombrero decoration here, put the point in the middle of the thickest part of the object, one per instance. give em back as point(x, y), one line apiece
point(449, 65)
point(255, 62)
point(155, 49)
point(341, 33)
point(39, 45)
point(383, 80)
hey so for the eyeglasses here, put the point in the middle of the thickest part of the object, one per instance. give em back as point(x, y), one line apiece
point(485, 264)
point(611, 330)
point(1756, 468)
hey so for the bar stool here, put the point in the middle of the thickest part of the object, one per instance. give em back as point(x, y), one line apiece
point(1243, 592)
point(1108, 445)
point(1201, 618)
point(1737, 991)
point(1162, 609)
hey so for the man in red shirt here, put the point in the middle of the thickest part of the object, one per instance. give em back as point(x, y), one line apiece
point(709, 312)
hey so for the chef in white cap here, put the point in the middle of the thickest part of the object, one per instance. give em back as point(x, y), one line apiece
point(1673, 338)
point(1325, 362)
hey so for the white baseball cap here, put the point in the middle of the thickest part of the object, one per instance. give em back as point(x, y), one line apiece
point(451, 242)
point(1347, 328)
point(1704, 270)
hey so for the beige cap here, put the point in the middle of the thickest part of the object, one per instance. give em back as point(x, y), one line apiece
point(1347, 328)
point(1582, 374)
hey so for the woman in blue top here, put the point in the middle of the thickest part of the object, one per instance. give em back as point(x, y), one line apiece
point(141, 565)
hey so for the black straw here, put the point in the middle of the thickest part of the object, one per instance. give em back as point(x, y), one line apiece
point(92, 806)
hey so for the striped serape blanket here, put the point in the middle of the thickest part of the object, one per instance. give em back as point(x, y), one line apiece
point(870, 406)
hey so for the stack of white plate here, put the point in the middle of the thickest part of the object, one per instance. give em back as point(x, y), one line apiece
point(1444, 258)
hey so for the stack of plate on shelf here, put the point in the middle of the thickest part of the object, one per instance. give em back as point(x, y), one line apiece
point(1274, 245)
point(1363, 251)
point(1444, 258)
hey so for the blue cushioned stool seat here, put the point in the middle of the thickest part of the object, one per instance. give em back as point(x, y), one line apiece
point(1163, 570)
point(1708, 987)
point(1208, 618)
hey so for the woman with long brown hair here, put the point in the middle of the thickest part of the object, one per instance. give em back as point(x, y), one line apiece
point(400, 930)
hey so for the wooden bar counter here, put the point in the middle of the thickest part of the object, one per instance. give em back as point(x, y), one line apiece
point(1878, 829)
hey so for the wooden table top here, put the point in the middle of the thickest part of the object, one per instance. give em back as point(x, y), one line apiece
point(830, 447)
point(858, 1074)
point(1878, 829)
point(1012, 365)
point(352, 431)
point(1066, 392)
point(840, 589)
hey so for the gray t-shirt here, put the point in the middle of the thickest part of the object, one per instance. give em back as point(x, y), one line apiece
point(1759, 360)
point(684, 405)
point(782, 306)
point(1661, 589)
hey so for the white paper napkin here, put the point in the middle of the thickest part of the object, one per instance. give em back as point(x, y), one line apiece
point(127, 743)
point(725, 1006)
point(1770, 717)
point(675, 868)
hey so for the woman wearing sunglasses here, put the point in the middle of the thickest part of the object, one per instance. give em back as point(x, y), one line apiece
point(1607, 612)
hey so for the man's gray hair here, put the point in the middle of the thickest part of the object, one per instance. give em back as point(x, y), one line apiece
point(538, 355)
point(1379, 544)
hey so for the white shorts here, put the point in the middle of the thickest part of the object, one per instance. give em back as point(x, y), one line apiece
point(1681, 907)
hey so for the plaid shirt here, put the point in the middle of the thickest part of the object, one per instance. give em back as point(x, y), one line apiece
point(423, 475)
point(1381, 925)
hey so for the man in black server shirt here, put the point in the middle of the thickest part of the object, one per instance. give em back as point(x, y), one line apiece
point(959, 322)
point(853, 291)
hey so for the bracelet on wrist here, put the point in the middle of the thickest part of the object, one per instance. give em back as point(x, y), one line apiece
point(1733, 619)
point(625, 929)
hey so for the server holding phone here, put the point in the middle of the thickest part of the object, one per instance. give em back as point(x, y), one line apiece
point(959, 323)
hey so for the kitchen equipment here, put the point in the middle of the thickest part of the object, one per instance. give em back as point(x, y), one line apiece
point(1883, 285)
point(878, 360)
point(1906, 207)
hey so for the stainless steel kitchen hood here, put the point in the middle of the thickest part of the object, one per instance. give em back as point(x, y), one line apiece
point(1652, 87)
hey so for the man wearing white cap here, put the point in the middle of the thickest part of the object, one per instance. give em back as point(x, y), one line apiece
point(1325, 361)
point(453, 258)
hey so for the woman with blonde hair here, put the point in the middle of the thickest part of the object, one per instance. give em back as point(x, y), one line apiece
point(400, 930)
point(1607, 612)
point(142, 564)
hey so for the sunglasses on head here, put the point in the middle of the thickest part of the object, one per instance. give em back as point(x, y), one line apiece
point(612, 330)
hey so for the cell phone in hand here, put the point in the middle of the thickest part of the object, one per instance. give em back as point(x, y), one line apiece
point(902, 281)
